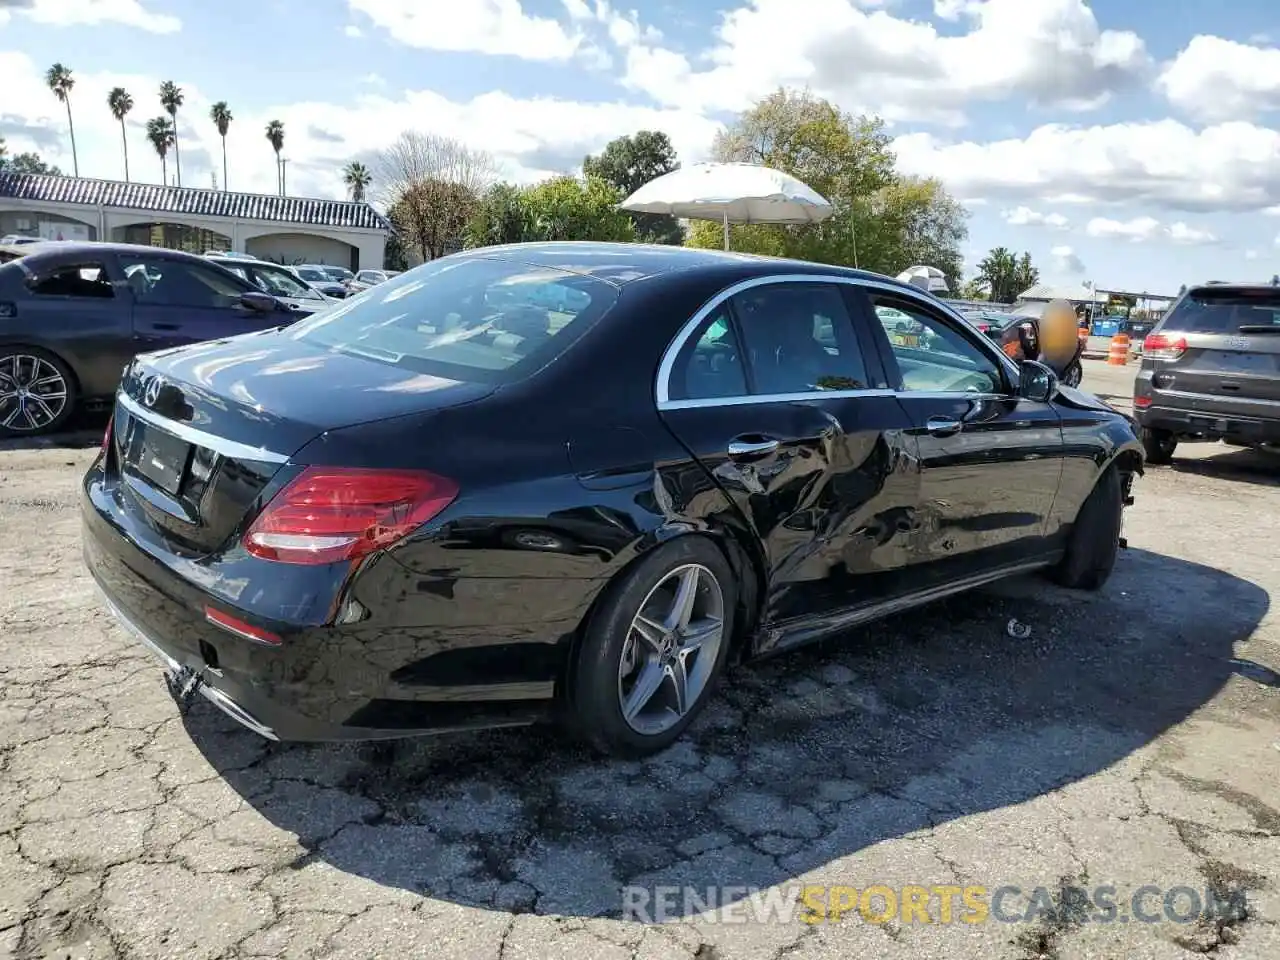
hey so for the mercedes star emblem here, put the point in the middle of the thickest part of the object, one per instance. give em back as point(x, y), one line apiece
point(152, 393)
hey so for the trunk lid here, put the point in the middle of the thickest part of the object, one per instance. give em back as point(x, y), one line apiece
point(1232, 344)
point(203, 434)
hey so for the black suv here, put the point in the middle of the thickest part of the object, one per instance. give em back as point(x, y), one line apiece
point(1211, 370)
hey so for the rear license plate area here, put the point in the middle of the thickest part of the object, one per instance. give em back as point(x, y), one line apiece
point(159, 458)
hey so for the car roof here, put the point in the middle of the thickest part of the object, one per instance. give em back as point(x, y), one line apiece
point(1222, 286)
point(79, 248)
point(623, 263)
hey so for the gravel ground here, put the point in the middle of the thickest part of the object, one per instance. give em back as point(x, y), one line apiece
point(1133, 740)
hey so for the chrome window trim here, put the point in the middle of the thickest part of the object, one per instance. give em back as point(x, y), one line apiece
point(220, 445)
point(662, 385)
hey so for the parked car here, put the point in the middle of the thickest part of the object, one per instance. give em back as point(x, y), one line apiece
point(1210, 370)
point(369, 278)
point(72, 315)
point(502, 513)
point(322, 279)
point(340, 274)
point(279, 281)
point(16, 239)
point(993, 323)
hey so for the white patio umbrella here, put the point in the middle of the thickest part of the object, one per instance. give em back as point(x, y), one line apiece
point(926, 278)
point(730, 193)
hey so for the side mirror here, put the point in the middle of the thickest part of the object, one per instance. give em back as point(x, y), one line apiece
point(1036, 382)
point(259, 302)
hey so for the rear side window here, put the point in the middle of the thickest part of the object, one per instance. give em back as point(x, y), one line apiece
point(78, 280)
point(1223, 312)
point(486, 319)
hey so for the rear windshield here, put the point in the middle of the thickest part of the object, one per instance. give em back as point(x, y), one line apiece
point(483, 319)
point(1224, 312)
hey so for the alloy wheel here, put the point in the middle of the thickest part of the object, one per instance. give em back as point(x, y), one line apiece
point(671, 649)
point(33, 393)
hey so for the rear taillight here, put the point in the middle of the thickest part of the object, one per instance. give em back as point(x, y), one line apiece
point(332, 514)
point(241, 628)
point(1159, 347)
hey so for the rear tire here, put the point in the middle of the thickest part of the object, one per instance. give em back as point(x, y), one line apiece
point(37, 392)
point(1094, 541)
point(618, 662)
point(1158, 446)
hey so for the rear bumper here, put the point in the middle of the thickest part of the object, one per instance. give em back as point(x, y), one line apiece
point(325, 683)
point(1209, 424)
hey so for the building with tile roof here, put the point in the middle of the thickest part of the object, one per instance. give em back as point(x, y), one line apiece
point(283, 229)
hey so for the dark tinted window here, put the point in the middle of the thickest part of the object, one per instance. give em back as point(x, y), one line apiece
point(481, 319)
point(932, 354)
point(709, 365)
point(1224, 312)
point(79, 280)
point(176, 283)
point(797, 338)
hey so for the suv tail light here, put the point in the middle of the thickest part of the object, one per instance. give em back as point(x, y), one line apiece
point(1159, 347)
point(331, 514)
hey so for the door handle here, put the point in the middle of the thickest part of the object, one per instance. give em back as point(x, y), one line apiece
point(942, 426)
point(750, 449)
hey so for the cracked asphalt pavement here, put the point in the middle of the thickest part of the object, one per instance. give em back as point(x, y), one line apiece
point(1132, 740)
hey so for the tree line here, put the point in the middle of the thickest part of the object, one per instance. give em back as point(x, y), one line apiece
point(161, 131)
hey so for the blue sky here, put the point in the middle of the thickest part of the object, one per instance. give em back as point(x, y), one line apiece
point(1122, 142)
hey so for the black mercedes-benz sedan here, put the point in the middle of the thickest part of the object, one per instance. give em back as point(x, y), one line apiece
point(575, 481)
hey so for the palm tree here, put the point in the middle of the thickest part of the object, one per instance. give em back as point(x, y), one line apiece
point(275, 135)
point(220, 114)
point(171, 99)
point(160, 133)
point(61, 81)
point(357, 177)
point(121, 103)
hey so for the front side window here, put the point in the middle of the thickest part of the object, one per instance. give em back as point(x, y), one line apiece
point(157, 281)
point(798, 339)
point(88, 280)
point(281, 283)
point(483, 319)
point(931, 354)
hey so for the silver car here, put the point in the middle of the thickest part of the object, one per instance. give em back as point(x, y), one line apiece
point(279, 281)
point(1211, 370)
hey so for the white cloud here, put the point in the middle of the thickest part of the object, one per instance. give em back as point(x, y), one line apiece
point(495, 27)
point(1026, 217)
point(1051, 52)
point(530, 137)
point(374, 80)
point(1135, 230)
point(1066, 260)
point(1217, 79)
point(92, 13)
point(352, 31)
point(1271, 211)
point(1161, 163)
point(1251, 254)
point(1191, 236)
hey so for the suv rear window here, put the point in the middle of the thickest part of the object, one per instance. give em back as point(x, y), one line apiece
point(1223, 311)
point(485, 319)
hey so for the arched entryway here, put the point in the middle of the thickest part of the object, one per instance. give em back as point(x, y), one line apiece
point(175, 236)
point(293, 248)
point(46, 226)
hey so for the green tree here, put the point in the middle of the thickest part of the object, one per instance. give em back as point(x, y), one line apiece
point(220, 114)
point(974, 289)
point(25, 163)
point(1006, 274)
point(566, 208)
point(60, 81)
point(171, 99)
point(881, 220)
point(160, 136)
point(499, 217)
point(357, 178)
point(120, 103)
point(275, 136)
point(628, 163)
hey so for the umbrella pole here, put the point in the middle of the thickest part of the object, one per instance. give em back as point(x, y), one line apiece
point(725, 215)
